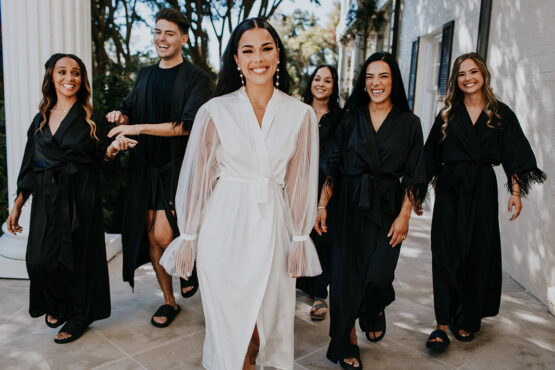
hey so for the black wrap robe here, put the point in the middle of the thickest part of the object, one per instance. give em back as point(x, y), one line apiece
point(466, 245)
point(376, 170)
point(66, 252)
point(156, 158)
point(317, 286)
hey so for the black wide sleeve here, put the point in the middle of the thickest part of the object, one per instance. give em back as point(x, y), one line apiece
point(414, 177)
point(128, 104)
point(102, 129)
point(26, 177)
point(432, 151)
point(198, 95)
point(517, 157)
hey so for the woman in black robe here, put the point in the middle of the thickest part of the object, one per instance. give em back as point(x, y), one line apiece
point(473, 133)
point(378, 155)
point(322, 93)
point(66, 256)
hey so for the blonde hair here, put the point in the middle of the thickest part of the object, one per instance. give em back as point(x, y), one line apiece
point(455, 95)
point(49, 97)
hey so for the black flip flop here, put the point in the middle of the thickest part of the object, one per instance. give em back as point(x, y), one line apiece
point(53, 325)
point(379, 325)
point(353, 352)
point(74, 328)
point(316, 307)
point(191, 282)
point(166, 311)
point(462, 338)
point(438, 346)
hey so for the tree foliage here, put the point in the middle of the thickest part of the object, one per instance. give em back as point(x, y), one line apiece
point(362, 20)
point(307, 43)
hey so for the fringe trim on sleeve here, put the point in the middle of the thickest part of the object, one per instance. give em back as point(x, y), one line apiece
point(526, 179)
point(417, 193)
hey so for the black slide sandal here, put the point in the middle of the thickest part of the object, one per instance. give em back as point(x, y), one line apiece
point(166, 311)
point(353, 352)
point(379, 325)
point(191, 282)
point(438, 346)
point(74, 328)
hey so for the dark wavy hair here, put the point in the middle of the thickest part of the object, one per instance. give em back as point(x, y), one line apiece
point(360, 97)
point(174, 16)
point(333, 103)
point(49, 97)
point(228, 78)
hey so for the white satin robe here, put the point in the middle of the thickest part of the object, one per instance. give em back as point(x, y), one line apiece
point(246, 203)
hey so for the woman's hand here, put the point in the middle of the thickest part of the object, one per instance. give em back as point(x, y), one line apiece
point(418, 209)
point(515, 204)
point(320, 225)
point(117, 117)
point(399, 229)
point(124, 130)
point(12, 222)
point(121, 143)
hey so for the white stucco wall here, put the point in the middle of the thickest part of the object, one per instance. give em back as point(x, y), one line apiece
point(521, 57)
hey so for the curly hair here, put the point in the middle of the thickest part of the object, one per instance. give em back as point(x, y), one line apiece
point(49, 97)
point(455, 95)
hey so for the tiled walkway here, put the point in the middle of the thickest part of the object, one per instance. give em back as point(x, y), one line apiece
point(522, 336)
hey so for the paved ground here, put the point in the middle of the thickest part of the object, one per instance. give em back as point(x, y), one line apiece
point(522, 336)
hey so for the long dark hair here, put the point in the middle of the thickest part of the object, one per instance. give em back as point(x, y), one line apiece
point(333, 103)
point(49, 97)
point(228, 78)
point(360, 97)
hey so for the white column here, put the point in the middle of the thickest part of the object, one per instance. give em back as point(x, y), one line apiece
point(32, 31)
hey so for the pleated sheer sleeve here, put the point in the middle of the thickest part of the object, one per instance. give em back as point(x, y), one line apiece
point(197, 178)
point(301, 187)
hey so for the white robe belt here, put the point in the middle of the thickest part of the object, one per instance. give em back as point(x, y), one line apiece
point(261, 184)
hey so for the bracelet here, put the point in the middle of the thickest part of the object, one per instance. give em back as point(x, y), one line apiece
point(138, 131)
point(320, 207)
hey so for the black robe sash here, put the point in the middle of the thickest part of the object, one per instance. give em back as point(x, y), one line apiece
point(369, 192)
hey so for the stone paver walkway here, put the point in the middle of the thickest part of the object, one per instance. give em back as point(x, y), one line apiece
point(522, 336)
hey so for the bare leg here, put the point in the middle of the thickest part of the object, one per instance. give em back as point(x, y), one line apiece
point(160, 236)
point(252, 351)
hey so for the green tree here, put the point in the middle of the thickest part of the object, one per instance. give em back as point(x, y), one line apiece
point(362, 20)
point(307, 43)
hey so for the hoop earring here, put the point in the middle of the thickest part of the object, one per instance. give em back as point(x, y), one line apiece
point(277, 76)
point(241, 76)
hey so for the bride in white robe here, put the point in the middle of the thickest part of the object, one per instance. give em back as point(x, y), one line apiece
point(246, 203)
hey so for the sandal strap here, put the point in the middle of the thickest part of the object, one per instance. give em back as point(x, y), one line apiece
point(319, 305)
point(166, 310)
point(438, 333)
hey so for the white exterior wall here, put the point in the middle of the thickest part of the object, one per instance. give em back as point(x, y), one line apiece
point(426, 18)
point(521, 57)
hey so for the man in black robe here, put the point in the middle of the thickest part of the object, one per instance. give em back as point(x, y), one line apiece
point(159, 111)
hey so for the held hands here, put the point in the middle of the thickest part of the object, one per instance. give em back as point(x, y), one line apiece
point(515, 206)
point(117, 117)
point(121, 143)
point(12, 222)
point(418, 209)
point(320, 225)
point(399, 229)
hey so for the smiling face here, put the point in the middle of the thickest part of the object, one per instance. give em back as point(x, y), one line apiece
point(257, 56)
point(379, 82)
point(66, 77)
point(168, 39)
point(470, 78)
point(322, 84)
